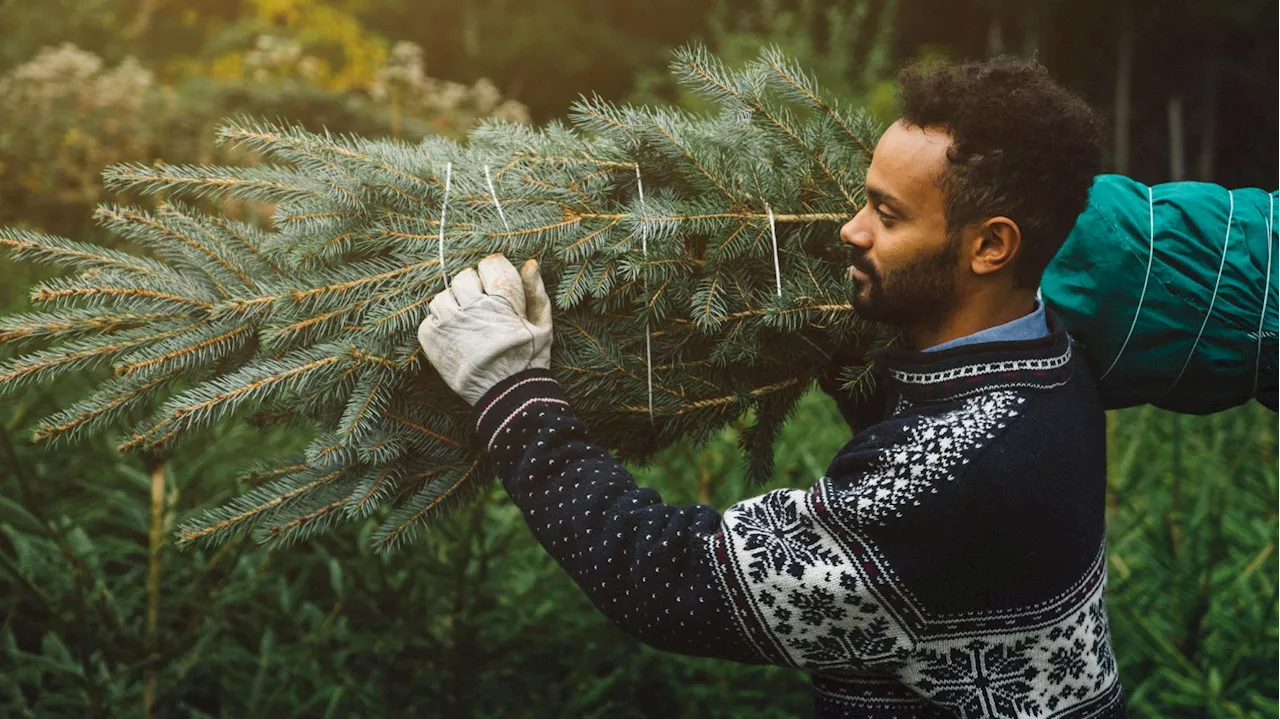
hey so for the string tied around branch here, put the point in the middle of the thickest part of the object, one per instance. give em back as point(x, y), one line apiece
point(773, 231)
point(648, 337)
point(494, 194)
point(444, 207)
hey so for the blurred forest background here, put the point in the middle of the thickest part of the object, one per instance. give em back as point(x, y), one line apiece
point(102, 617)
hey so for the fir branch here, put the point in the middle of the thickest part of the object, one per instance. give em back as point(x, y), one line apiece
point(45, 364)
point(519, 159)
point(312, 327)
point(241, 234)
point(184, 350)
point(45, 294)
point(423, 430)
point(260, 476)
point(578, 248)
point(702, 404)
point(316, 316)
point(368, 494)
point(242, 306)
point(359, 282)
point(599, 115)
point(753, 216)
point(667, 131)
point(804, 87)
point(48, 249)
point(286, 534)
point(74, 323)
point(168, 227)
point(250, 508)
point(585, 200)
point(402, 311)
point(572, 221)
point(433, 498)
point(259, 381)
point(368, 400)
point(309, 217)
point(263, 183)
point(697, 66)
point(294, 142)
point(104, 406)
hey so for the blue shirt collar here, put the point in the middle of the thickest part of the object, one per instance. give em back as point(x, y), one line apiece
point(1027, 327)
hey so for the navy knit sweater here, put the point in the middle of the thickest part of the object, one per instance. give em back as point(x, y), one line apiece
point(951, 562)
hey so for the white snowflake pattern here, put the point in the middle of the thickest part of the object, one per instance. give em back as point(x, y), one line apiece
point(1046, 671)
point(805, 587)
point(930, 454)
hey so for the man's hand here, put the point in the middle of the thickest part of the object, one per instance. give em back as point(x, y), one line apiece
point(488, 326)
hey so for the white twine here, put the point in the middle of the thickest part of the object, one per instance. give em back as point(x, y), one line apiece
point(1266, 290)
point(644, 245)
point(773, 230)
point(1230, 214)
point(444, 206)
point(1151, 254)
point(494, 194)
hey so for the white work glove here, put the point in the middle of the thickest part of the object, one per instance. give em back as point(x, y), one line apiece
point(488, 326)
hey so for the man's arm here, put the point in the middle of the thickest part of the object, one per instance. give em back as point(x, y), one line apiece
point(778, 579)
point(683, 579)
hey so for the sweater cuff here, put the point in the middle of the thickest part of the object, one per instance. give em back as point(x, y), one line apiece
point(505, 400)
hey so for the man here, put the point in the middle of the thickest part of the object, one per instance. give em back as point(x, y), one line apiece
point(951, 561)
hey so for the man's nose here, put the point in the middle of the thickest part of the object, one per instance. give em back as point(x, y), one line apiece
point(855, 232)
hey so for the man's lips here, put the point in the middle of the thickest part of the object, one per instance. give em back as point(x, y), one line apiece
point(857, 273)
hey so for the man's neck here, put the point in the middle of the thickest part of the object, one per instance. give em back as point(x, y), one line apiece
point(973, 317)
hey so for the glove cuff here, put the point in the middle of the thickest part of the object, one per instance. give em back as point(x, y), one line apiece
point(518, 393)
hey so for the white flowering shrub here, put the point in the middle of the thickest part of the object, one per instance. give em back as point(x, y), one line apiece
point(65, 115)
point(403, 84)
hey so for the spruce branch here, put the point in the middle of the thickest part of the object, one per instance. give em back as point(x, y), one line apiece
point(310, 320)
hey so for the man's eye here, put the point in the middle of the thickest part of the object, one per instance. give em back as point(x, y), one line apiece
point(884, 217)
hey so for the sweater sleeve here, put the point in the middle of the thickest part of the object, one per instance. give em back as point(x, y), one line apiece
point(765, 583)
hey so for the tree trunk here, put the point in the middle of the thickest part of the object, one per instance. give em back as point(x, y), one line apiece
point(1209, 118)
point(471, 30)
point(995, 34)
point(1033, 21)
point(865, 36)
point(142, 21)
point(1177, 142)
point(153, 585)
point(1124, 77)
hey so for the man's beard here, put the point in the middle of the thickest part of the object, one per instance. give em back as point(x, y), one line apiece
point(907, 296)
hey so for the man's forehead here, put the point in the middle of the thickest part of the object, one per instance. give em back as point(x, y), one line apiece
point(907, 161)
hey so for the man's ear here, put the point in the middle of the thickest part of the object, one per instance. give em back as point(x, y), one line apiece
point(998, 241)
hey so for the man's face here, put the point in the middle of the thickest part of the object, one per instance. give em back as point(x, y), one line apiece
point(904, 264)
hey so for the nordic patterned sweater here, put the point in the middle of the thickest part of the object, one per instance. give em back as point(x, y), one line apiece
point(951, 562)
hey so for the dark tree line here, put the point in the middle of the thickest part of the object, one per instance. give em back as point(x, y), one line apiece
point(1207, 67)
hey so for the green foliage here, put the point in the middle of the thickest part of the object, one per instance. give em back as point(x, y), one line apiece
point(312, 321)
point(1193, 572)
point(844, 45)
point(480, 622)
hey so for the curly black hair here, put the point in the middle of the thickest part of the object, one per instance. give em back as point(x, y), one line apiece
point(1022, 147)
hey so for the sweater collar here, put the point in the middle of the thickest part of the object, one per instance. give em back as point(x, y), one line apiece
point(1042, 363)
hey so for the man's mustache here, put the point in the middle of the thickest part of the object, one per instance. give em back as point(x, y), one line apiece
point(861, 263)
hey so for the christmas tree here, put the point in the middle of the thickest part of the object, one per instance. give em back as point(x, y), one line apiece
point(693, 259)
